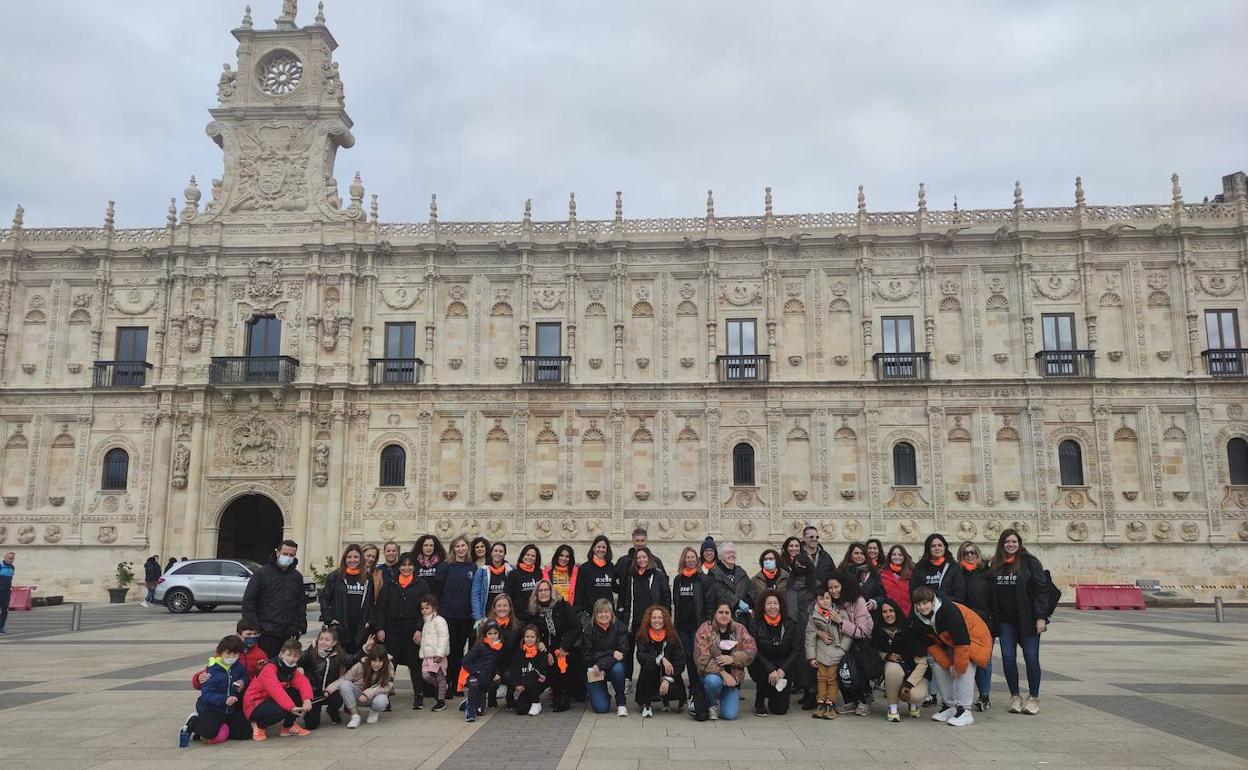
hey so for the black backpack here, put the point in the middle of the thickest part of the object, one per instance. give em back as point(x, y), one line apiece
point(1052, 596)
point(859, 669)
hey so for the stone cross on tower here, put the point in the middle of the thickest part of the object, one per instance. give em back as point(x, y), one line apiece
point(280, 121)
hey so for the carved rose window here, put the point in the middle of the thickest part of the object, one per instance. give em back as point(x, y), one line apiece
point(280, 73)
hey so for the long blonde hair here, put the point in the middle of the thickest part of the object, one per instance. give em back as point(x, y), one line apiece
point(450, 550)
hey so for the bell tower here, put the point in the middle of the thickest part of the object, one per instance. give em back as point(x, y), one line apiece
point(280, 120)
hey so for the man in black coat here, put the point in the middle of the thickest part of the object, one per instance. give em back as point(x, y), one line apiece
point(274, 600)
point(625, 563)
point(822, 561)
point(151, 574)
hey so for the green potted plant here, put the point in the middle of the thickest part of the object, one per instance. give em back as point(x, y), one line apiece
point(125, 576)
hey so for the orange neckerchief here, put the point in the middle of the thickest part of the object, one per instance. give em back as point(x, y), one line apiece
point(708, 565)
point(603, 626)
point(770, 621)
point(352, 571)
point(875, 563)
point(658, 636)
point(895, 567)
point(969, 566)
point(599, 562)
point(504, 623)
point(770, 574)
point(825, 614)
point(526, 567)
point(938, 562)
point(500, 569)
point(564, 570)
point(530, 650)
point(495, 645)
point(1010, 559)
point(406, 580)
point(688, 571)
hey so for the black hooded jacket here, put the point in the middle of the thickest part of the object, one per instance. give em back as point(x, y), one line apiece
point(274, 600)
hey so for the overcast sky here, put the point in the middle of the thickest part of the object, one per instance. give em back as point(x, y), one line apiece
point(487, 103)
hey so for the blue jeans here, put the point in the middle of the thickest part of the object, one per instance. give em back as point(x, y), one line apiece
point(983, 677)
point(727, 698)
point(4, 608)
point(151, 595)
point(1012, 637)
point(599, 700)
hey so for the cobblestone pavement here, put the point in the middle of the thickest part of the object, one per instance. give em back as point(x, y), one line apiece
point(1161, 688)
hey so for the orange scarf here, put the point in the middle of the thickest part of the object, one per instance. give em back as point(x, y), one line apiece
point(772, 621)
point(969, 566)
point(895, 567)
point(708, 565)
point(495, 645)
point(658, 636)
point(825, 614)
point(599, 562)
point(689, 571)
point(1010, 559)
point(406, 580)
point(352, 571)
point(530, 650)
point(875, 563)
point(938, 562)
point(500, 569)
point(770, 574)
point(504, 623)
point(527, 567)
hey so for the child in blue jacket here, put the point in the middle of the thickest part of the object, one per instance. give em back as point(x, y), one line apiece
point(219, 710)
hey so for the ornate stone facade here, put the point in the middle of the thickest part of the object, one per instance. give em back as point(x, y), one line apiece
point(639, 413)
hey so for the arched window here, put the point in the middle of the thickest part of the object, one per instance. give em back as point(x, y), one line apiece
point(393, 466)
point(1237, 459)
point(743, 465)
point(1070, 463)
point(116, 469)
point(905, 474)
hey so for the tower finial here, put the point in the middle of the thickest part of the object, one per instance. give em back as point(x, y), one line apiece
point(767, 212)
point(18, 216)
point(192, 195)
point(572, 208)
point(862, 201)
point(246, 22)
point(922, 197)
point(528, 213)
point(433, 209)
point(109, 215)
point(171, 216)
point(290, 10)
point(1018, 194)
point(1176, 191)
point(619, 209)
point(955, 203)
point(356, 191)
point(372, 208)
point(320, 14)
point(710, 204)
point(1079, 200)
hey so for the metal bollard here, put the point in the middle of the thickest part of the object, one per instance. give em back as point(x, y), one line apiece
point(1219, 616)
point(75, 617)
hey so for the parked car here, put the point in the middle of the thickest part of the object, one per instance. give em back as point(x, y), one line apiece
point(207, 583)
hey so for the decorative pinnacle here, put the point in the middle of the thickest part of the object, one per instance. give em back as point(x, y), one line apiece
point(710, 204)
point(528, 212)
point(433, 209)
point(955, 201)
point(571, 207)
point(862, 201)
point(320, 14)
point(109, 211)
point(922, 196)
point(619, 207)
point(1018, 194)
point(1176, 192)
point(357, 190)
point(372, 208)
point(18, 216)
point(171, 216)
point(246, 22)
point(192, 194)
point(767, 202)
point(1079, 201)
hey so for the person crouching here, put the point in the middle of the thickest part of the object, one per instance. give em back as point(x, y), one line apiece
point(368, 683)
point(280, 693)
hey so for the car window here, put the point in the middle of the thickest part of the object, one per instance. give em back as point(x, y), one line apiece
point(251, 565)
point(234, 569)
point(200, 568)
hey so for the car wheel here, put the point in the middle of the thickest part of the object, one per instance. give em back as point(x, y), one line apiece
point(206, 607)
point(179, 601)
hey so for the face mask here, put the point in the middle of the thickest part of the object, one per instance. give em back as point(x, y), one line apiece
point(282, 660)
point(250, 641)
point(325, 651)
point(229, 660)
point(769, 564)
point(285, 561)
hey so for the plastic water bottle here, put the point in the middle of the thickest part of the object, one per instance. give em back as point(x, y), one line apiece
point(184, 737)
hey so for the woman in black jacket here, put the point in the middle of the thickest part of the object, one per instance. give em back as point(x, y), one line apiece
point(937, 571)
point(1020, 589)
point(429, 554)
point(596, 579)
point(523, 579)
point(799, 599)
point(781, 645)
point(398, 620)
point(905, 660)
point(643, 586)
point(560, 631)
point(603, 645)
point(857, 564)
point(347, 599)
point(978, 587)
point(660, 657)
point(691, 607)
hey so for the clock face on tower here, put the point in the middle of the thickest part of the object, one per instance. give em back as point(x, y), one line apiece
point(280, 73)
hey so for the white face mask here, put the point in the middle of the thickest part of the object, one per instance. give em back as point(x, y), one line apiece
point(229, 660)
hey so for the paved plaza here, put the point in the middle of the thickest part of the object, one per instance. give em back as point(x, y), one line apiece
point(1162, 688)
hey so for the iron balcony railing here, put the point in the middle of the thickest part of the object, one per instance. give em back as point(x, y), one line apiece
point(120, 374)
point(545, 370)
point(1225, 362)
point(1066, 363)
point(395, 371)
point(902, 366)
point(252, 370)
point(751, 368)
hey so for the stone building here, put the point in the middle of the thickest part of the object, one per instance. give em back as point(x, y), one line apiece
point(280, 360)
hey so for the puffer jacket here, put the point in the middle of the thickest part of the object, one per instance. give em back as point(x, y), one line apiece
point(324, 671)
point(706, 648)
point(896, 588)
point(599, 645)
point(956, 636)
point(857, 622)
point(435, 638)
point(221, 685)
point(274, 600)
point(817, 649)
point(272, 682)
point(760, 583)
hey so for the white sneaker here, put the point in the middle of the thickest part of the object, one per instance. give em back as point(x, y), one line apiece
point(622, 711)
point(373, 716)
point(354, 722)
point(501, 692)
point(1032, 706)
point(962, 721)
point(535, 709)
point(944, 715)
point(689, 706)
point(646, 712)
point(714, 712)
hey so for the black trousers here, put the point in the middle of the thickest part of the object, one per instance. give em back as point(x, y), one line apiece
point(312, 719)
point(532, 694)
point(207, 724)
point(269, 713)
point(648, 680)
point(766, 695)
point(461, 634)
point(272, 644)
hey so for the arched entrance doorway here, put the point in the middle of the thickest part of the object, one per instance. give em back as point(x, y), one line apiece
point(251, 528)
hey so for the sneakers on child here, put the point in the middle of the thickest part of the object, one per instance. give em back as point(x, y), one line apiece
point(1032, 706)
point(471, 716)
point(915, 712)
point(373, 716)
point(893, 715)
point(845, 708)
point(622, 711)
point(863, 710)
point(296, 730)
point(535, 709)
point(713, 713)
point(944, 714)
point(353, 722)
point(962, 720)
point(418, 703)
point(258, 733)
point(1016, 704)
point(646, 712)
point(982, 704)
point(439, 706)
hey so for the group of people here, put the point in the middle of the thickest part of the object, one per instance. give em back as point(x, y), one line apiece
point(469, 623)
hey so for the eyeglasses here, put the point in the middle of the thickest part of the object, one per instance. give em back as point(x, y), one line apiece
point(971, 553)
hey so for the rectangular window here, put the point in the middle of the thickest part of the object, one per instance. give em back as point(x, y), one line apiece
point(549, 365)
point(898, 334)
point(1222, 326)
point(1059, 331)
point(264, 337)
point(400, 364)
point(741, 337)
point(129, 369)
